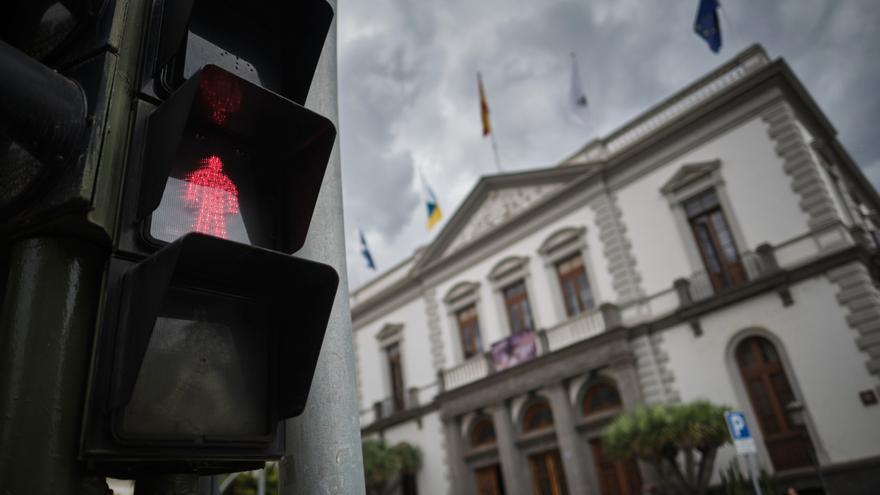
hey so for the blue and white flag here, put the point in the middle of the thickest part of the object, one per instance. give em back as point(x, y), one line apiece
point(366, 251)
point(578, 97)
point(706, 25)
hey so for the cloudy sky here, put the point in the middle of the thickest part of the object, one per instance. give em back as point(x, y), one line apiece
point(408, 95)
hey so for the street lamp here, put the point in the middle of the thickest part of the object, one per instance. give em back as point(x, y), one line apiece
point(796, 412)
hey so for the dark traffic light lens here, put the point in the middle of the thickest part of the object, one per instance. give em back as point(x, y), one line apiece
point(204, 374)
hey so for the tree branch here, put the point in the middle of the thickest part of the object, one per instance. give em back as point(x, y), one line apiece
point(707, 461)
point(677, 476)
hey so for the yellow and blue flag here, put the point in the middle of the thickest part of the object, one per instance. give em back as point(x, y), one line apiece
point(434, 213)
point(706, 25)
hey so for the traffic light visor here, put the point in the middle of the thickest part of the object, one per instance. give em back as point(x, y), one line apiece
point(273, 43)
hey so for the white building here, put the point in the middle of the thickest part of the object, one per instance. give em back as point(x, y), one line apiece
point(717, 247)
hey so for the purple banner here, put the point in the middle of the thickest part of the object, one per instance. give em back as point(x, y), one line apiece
point(514, 350)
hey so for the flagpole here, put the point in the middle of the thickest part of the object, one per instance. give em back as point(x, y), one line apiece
point(495, 150)
point(727, 21)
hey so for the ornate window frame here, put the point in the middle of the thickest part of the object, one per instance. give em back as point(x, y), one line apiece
point(460, 296)
point(390, 334)
point(690, 180)
point(505, 273)
point(562, 244)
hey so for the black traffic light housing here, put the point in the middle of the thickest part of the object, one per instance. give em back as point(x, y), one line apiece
point(206, 346)
point(54, 101)
point(210, 332)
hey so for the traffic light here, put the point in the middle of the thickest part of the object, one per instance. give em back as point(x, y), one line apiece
point(210, 331)
point(54, 100)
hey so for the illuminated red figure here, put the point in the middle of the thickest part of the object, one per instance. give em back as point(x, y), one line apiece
point(214, 194)
point(222, 93)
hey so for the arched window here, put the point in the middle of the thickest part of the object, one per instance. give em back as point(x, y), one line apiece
point(483, 432)
point(769, 393)
point(600, 397)
point(537, 416)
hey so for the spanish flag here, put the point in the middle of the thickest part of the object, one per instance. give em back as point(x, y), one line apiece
point(434, 213)
point(484, 107)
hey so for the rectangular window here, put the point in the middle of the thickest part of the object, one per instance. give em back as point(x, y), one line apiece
point(469, 331)
point(395, 372)
point(519, 313)
point(717, 247)
point(576, 293)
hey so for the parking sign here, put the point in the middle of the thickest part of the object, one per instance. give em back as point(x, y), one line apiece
point(739, 432)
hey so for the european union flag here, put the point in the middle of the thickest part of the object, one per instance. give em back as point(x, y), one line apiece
point(706, 26)
point(366, 252)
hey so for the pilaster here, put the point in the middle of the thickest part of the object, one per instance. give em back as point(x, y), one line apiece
point(513, 465)
point(577, 460)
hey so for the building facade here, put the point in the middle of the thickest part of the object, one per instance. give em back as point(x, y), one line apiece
point(720, 246)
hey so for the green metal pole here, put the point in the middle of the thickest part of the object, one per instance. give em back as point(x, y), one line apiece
point(47, 320)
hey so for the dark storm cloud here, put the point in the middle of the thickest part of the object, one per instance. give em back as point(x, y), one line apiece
point(408, 86)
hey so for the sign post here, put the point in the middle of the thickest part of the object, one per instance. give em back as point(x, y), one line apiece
point(744, 443)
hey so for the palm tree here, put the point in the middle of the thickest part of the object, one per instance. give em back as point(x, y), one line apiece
point(679, 440)
point(384, 466)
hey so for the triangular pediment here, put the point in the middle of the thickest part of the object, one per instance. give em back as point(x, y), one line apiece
point(494, 202)
point(498, 207)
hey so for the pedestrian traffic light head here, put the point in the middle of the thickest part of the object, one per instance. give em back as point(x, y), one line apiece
point(210, 332)
point(225, 157)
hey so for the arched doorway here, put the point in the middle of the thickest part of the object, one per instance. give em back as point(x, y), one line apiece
point(489, 477)
point(615, 478)
point(548, 476)
point(769, 393)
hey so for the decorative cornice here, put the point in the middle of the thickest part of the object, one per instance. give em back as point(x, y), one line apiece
point(688, 174)
point(561, 238)
point(389, 332)
point(460, 290)
point(507, 265)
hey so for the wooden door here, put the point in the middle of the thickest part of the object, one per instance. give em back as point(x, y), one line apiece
point(489, 481)
point(769, 392)
point(615, 478)
point(548, 477)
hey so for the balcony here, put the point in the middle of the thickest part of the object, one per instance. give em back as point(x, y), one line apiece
point(388, 407)
point(699, 286)
point(569, 332)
